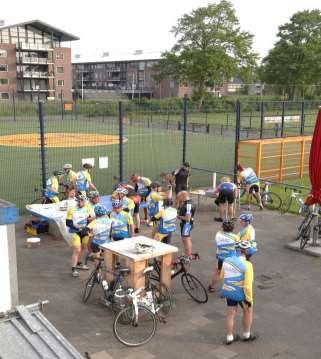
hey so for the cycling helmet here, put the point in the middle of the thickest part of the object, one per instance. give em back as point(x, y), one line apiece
point(67, 166)
point(246, 217)
point(228, 225)
point(93, 194)
point(243, 245)
point(155, 185)
point(81, 197)
point(57, 173)
point(121, 190)
point(117, 203)
point(87, 166)
point(134, 178)
point(100, 210)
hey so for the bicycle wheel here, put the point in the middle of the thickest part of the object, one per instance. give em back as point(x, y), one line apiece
point(162, 299)
point(285, 206)
point(303, 224)
point(271, 200)
point(305, 236)
point(194, 288)
point(89, 286)
point(134, 329)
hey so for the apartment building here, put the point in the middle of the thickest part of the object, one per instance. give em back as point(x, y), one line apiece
point(33, 62)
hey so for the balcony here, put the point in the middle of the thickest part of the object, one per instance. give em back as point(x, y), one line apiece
point(34, 74)
point(34, 60)
point(34, 47)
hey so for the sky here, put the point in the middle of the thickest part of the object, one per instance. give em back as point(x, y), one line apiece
point(123, 26)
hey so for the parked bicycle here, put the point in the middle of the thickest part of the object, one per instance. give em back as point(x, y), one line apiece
point(113, 292)
point(270, 199)
point(309, 224)
point(192, 285)
point(136, 324)
point(294, 200)
point(42, 199)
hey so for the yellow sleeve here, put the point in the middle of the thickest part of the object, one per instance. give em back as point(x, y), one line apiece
point(91, 224)
point(248, 282)
point(156, 196)
point(88, 177)
point(70, 213)
point(129, 218)
point(159, 214)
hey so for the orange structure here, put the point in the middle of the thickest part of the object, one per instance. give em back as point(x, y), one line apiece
point(277, 158)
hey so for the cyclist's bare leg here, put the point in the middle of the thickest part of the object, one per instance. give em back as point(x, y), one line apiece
point(231, 312)
point(258, 198)
point(221, 210)
point(215, 278)
point(187, 243)
point(231, 210)
point(247, 318)
point(76, 254)
point(137, 220)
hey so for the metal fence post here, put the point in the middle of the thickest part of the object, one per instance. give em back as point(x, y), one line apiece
point(62, 106)
point(262, 118)
point(282, 123)
point(42, 145)
point(14, 106)
point(302, 119)
point(185, 108)
point(237, 137)
point(121, 133)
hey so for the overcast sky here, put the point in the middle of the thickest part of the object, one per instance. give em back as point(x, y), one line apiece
point(123, 26)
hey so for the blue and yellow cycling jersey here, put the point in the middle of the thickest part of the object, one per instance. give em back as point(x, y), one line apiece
point(82, 181)
point(120, 224)
point(69, 177)
point(79, 217)
point(225, 244)
point(52, 186)
point(249, 176)
point(128, 204)
point(154, 203)
point(237, 275)
point(167, 223)
point(143, 186)
point(100, 228)
point(248, 234)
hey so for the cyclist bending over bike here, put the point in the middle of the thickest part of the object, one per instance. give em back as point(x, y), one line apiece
point(252, 184)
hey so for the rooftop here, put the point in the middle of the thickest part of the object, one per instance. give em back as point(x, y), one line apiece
point(42, 26)
point(123, 57)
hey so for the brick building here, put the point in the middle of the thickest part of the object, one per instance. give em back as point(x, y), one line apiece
point(33, 62)
point(131, 75)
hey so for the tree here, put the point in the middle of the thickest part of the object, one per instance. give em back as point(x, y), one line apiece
point(210, 49)
point(294, 62)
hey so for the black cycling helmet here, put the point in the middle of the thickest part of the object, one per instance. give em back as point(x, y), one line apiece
point(155, 184)
point(167, 202)
point(228, 225)
point(87, 166)
point(57, 173)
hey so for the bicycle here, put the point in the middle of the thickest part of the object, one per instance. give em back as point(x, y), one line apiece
point(136, 325)
point(45, 200)
point(270, 200)
point(113, 293)
point(294, 197)
point(304, 229)
point(192, 285)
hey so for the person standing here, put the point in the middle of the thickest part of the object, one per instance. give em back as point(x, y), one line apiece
point(52, 187)
point(167, 222)
point(186, 212)
point(237, 275)
point(122, 222)
point(247, 233)
point(69, 176)
point(225, 200)
point(142, 187)
point(181, 176)
point(83, 179)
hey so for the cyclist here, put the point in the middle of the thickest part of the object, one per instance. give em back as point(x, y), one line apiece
point(128, 204)
point(99, 229)
point(167, 222)
point(83, 179)
point(52, 187)
point(181, 176)
point(70, 200)
point(252, 184)
point(143, 188)
point(94, 199)
point(225, 193)
point(237, 275)
point(225, 247)
point(122, 222)
point(136, 198)
point(76, 221)
point(186, 212)
point(69, 176)
point(247, 233)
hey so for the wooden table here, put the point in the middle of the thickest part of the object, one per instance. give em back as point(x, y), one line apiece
point(124, 252)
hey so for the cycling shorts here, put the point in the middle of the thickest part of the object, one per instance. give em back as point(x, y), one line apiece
point(77, 241)
point(254, 188)
point(225, 196)
point(233, 303)
point(185, 233)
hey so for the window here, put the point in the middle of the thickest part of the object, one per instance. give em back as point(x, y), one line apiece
point(4, 81)
point(59, 56)
point(60, 70)
point(4, 96)
point(3, 67)
point(3, 53)
point(60, 82)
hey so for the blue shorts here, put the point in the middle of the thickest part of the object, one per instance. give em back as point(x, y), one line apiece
point(184, 232)
point(233, 303)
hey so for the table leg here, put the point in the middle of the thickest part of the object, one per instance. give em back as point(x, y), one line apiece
point(136, 277)
point(110, 261)
point(165, 270)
